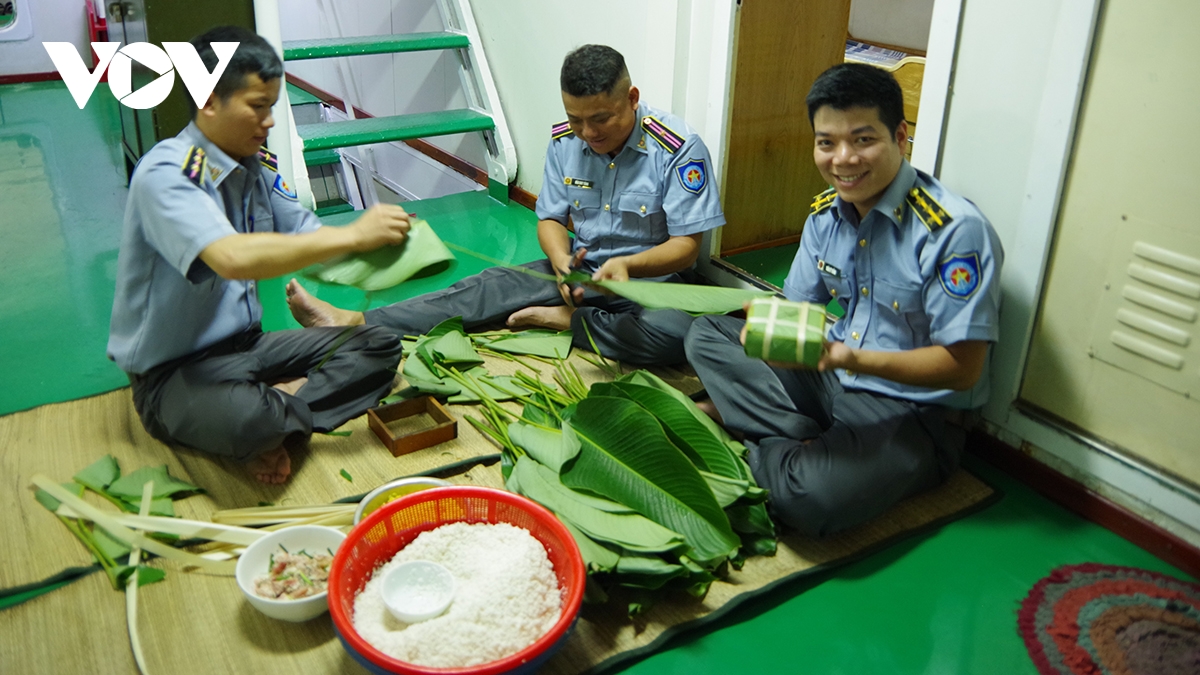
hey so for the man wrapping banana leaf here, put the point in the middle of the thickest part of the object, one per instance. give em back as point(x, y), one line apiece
point(635, 184)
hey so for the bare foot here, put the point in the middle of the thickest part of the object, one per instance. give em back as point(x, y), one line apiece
point(554, 318)
point(271, 467)
point(710, 409)
point(311, 312)
point(290, 386)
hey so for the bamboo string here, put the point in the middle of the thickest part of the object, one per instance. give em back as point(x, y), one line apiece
point(131, 586)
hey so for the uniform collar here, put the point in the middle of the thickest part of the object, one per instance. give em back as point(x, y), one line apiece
point(892, 204)
point(219, 164)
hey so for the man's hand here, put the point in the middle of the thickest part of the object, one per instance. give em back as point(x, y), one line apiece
point(615, 269)
point(837, 355)
point(562, 267)
point(380, 225)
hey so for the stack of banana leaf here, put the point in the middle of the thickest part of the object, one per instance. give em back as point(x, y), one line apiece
point(657, 495)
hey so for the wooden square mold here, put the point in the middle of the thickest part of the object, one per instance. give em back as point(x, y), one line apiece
point(445, 429)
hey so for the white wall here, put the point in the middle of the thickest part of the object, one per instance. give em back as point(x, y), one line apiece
point(903, 23)
point(677, 52)
point(53, 21)
point(1018, 79)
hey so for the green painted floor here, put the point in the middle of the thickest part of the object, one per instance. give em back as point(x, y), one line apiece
point(769, 264)
point(943, 602)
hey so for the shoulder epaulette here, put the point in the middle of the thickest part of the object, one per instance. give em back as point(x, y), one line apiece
point(194, 165)
point(268, 159)
point(928, 209)
point(559, 130)
point(670, 140)
point(823, 201)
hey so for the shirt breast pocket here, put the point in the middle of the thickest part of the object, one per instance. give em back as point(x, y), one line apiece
point(261, 221)
point(642, 217)
point(583, 199)
point(838, 288)
point(900, 312)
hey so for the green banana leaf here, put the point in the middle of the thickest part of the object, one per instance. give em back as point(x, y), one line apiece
point(100, 474)
point(549, 448)
point(545, 343)
point(678, 418)
point(730, 491)
point(162, 506)
point(423, 253)
point(626, 456)
point(115, 549)
point(649, 379)
point(750, 520)
point(415, 370)
point(753, 524)
point(629, 531)
point(497, 388)
point(129, 488)
point(51, 503)
point(537, 411)
point(691, 298)
point(452, 349)
point(596, 557)
point(650, 572)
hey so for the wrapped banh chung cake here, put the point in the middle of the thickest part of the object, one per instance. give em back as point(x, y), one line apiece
point(785, 331)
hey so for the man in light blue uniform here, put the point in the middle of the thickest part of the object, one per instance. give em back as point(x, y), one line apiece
point(917, 270)
point(208, 214)
point(635, 183)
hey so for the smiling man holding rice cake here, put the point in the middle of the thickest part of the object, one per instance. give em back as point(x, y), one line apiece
point(916, 269)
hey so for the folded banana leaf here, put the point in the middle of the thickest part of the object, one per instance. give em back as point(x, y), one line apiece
point(691, 298)
point(545, 343)
point(423, 253)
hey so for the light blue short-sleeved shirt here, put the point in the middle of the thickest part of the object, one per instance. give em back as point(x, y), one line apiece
point(922, 268)
point(186, 193)
point(660, 185)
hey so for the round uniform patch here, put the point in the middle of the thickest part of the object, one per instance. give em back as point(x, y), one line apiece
point(692, 175)
point(960, 274)
point(282, 188)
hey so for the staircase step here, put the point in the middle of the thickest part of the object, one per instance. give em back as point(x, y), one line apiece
point(297, 96)
point(296, 50)
point(322, 157)
point(395, 128)
point(332, 206)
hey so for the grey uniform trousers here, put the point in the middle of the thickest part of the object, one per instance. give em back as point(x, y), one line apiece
point(623, 330)
point(832, 458)
point(219, 400)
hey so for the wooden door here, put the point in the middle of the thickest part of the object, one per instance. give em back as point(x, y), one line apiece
point(780, 48)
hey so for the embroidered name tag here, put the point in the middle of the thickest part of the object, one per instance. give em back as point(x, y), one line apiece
point(578, 182)
point(828, 269)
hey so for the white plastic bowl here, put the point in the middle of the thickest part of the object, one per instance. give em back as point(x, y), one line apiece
point(417, 590)
point(255, 561)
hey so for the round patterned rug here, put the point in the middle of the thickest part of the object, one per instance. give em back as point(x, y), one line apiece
point(1094, 619)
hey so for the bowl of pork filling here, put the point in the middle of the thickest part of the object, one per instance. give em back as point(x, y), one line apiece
point(285, 573)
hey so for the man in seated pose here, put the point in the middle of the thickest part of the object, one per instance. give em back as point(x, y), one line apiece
point(917, 270)
point(636, 184)
point(208, 214)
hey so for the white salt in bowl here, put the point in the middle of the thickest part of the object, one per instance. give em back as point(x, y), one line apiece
point(255, 563)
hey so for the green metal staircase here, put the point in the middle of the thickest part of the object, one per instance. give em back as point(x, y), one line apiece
point(321, 141)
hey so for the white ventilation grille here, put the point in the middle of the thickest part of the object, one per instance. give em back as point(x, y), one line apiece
point(1148, 322)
